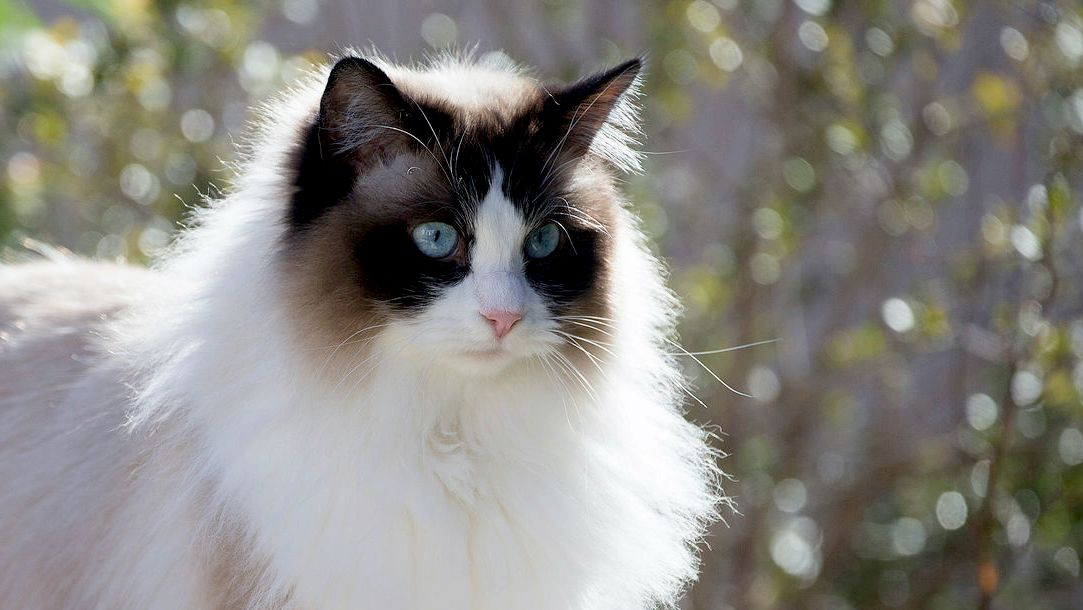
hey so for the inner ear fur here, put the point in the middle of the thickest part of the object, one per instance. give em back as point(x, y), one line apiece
point(584, 110)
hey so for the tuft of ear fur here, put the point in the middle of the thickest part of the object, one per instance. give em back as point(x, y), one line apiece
point(599, 115)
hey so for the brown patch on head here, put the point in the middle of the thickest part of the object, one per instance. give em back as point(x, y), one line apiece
point(337, 311)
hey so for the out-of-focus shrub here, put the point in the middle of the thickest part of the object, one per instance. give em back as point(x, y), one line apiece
point(891, 189)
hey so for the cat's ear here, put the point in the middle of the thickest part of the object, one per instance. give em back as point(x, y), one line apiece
point(361, 120)
point(598, 114)
point(361, 109)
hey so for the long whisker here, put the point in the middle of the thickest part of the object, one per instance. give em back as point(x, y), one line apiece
point(577, 375)
point(442, 167)
point(599, 319)
point(350, 341)
point(455, 157)
point(577, 320)
point(553, 376)
point(385, 355)
point(705, 367)
point(692, 395)
point(554, 173)
point(357, 366)
point(683, 386)
point(593, 359)
point(584, 325)
point(569, 210)
point(685, 352)
point(574, 338)
point(566, 234)
point(731, 349)
point(347, 340)
point(436, 139)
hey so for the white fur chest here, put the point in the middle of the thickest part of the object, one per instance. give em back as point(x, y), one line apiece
point(417, 501)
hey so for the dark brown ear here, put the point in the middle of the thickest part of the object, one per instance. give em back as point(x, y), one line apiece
point(361, 110)
point(583, 109)
point(363, 119)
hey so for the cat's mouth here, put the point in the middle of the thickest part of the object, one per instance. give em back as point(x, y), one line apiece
point(487, 353)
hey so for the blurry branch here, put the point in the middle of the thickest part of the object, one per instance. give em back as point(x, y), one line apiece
point(988, 574)
point(984, 521)
point(1022, 349)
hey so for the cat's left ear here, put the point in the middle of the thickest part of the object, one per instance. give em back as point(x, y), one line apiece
point(598, 114)
point(362, 112)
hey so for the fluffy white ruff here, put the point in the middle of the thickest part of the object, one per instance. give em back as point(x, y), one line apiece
point(421, 488)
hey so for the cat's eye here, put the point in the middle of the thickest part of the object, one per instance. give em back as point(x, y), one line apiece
point(435, 239)
point(543, 241)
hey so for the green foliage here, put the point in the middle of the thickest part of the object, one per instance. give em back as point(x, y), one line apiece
point(892, 189)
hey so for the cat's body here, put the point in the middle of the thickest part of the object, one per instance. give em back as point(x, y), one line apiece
point(274, 419)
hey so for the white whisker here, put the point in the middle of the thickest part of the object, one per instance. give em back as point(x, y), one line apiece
point(693, 355)
point(348, 341)
point(577, 375)
point(729, 349)
point(565, 391)
point(424, 146)
point(706, 368)
point(585, 325)
point(575, 338)
point(436, 139)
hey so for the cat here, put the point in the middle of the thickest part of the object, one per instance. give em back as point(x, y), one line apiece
point(414, 357)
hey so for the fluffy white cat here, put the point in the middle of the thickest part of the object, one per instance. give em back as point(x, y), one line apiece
point(414, 358)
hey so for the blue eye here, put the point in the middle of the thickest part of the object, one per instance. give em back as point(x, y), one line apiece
point(543, 241)
point(435, 239)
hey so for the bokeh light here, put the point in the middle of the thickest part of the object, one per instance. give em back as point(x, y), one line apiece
point(892, 190)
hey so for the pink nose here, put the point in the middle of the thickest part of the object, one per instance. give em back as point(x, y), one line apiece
point(502, 321)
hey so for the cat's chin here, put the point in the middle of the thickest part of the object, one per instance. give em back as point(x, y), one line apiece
point(484, 362)
point(495, 353)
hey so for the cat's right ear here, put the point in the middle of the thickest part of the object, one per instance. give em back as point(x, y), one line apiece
point(361, 120)
point(361, 112)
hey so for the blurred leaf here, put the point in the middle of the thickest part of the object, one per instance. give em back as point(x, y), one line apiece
point(15, 17)
point(995, 94)
point(855, 345)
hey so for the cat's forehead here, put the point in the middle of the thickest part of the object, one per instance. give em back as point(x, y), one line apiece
point(488, 131)
point(473, 94)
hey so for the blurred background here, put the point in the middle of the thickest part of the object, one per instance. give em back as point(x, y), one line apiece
point(890, 188)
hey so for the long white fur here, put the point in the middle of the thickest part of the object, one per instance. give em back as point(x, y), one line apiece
point(412, 484)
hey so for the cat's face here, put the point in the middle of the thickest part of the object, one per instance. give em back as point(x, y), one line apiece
point(470, 230)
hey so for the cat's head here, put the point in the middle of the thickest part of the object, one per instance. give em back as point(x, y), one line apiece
point(461, 216)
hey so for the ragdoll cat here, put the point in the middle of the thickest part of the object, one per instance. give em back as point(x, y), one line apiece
point(413, 359)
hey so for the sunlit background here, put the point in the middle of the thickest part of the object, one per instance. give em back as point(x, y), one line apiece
point(890, 188)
